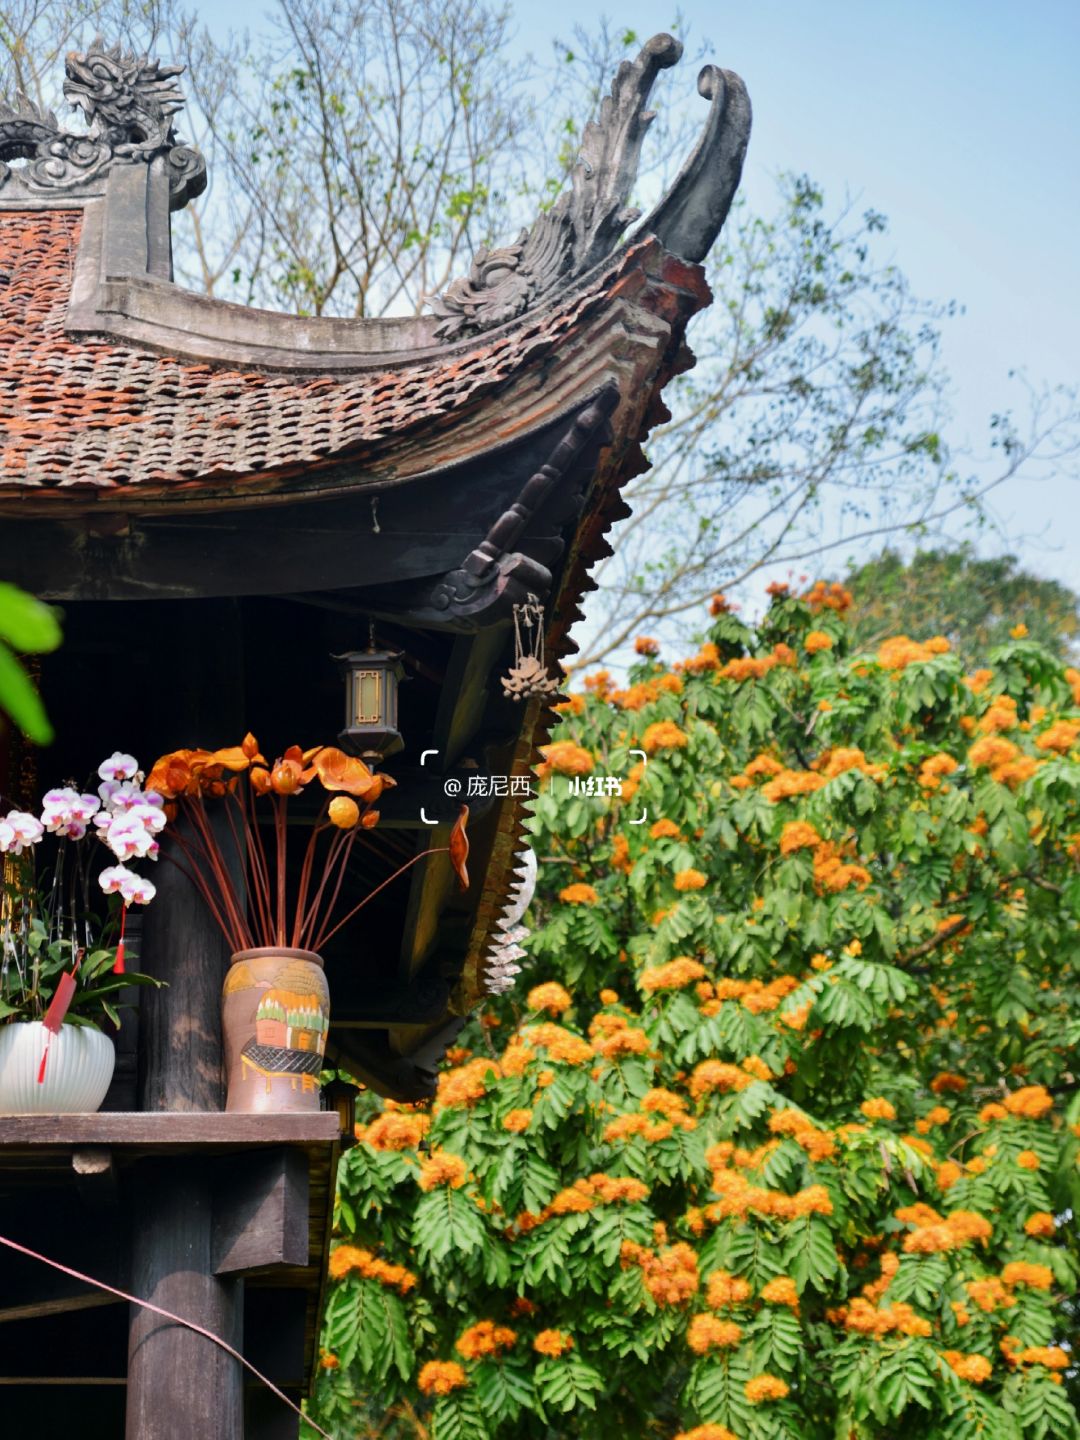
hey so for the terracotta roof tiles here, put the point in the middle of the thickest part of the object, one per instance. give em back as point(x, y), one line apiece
point(95, 414)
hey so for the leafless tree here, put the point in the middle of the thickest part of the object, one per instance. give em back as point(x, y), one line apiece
point(361, 150)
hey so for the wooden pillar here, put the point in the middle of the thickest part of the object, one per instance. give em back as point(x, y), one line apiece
point(180, 1385)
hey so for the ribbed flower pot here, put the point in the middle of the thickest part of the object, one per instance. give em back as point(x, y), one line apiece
point(275, 1012)
point(77, 1072)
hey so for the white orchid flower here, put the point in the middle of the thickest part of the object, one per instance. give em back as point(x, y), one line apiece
point(65, 812)
point(19, 830)
point(118, 767)
point(132, 888)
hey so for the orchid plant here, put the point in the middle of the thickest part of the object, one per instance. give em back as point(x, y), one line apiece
point(239, 864)
point(54, 959)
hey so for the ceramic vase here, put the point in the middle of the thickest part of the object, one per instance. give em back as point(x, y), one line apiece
point(275, 1010)
point(78, 1068)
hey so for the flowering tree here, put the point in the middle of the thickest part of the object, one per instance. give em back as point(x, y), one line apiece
point(784, 1144)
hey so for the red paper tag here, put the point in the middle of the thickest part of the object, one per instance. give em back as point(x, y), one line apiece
point(59, 1004)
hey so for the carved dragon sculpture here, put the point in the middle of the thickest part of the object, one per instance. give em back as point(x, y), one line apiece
point(583, 226)
point(128, 102)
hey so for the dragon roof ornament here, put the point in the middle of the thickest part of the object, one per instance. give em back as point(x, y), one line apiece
point(128, 102)
point(584, 225)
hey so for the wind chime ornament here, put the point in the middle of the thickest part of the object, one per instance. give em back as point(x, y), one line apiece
point(528, 678)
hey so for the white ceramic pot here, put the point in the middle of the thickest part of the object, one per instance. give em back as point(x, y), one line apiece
point(77, 1072)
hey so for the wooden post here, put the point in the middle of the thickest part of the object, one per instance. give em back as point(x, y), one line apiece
point(180, 1385)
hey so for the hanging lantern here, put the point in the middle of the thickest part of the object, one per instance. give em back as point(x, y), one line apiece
point(371, 679)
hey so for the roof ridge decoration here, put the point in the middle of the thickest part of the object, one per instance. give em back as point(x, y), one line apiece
point(584, 225)
point(128, 102)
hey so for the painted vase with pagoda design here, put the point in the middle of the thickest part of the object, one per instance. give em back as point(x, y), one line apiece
point(275, 1010)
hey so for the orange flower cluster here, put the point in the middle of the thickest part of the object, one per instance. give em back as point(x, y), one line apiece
point(763, 1388)
point(550, 996)
point(724, 1289)
point(1041, 1225)
point(1061, 736)
point(818, 1144)
point(781, 1291)
point(665, 830)
point(466, 1084)
point(646, 645)
point(350, 1259)
point(667, 1103)
point(485, 1338)
point(675, 975)
point(442, 1168)
point(578, 894)
point(738, 1197)
point(553, 1343)
point(864, 1318)
point(645, 692)
point(817, 640)
point(798, 835)
point(823, 596)
point(1052, 1356)
point(1031, 1101)
point(440, 1377)
point(999, 715)
point(706, 1333)
point(833, 874)
point(629, 1127)
point(899, 652)
point(564, 757)
point(670, 1275)
point(934, 768)
point(560, 1044)
point(713, 1075)
point(789, 783)
point(878, 1108)
point(690, 880)
point(1023, 1272)
point(933, 1234)
point(664, 735)
point(626, 1040)
point(620, 855)
point(973, 1368)
point(599, 1189)
point(394, 1130)
point(989, 1294)
point(1003, 759)
point(517, 1121)
point(848, 757)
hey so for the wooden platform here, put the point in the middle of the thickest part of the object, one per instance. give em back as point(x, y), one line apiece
point(71, 1185)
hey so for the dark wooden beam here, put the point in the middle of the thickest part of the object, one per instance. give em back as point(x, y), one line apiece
point(261, 1213)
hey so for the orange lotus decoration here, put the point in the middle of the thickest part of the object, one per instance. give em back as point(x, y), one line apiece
point(242, 877)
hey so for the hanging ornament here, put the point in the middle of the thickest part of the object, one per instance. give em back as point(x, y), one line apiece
point(507, 949)
point(528, 678)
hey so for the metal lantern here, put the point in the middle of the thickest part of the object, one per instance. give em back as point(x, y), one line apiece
point(371, 702)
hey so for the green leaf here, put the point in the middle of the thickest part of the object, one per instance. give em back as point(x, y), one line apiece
point(21, 701)
point(26, 623)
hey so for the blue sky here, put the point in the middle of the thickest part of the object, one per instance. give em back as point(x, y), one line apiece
point(960, 120)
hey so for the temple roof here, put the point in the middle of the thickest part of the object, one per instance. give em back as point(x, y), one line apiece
point(82, 414)
point(118, 386)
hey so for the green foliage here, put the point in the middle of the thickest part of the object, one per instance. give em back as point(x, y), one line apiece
point(784, 1143)
point(974, 603)
point(27, 627)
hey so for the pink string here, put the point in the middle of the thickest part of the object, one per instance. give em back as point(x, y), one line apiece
point(167, 1315)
